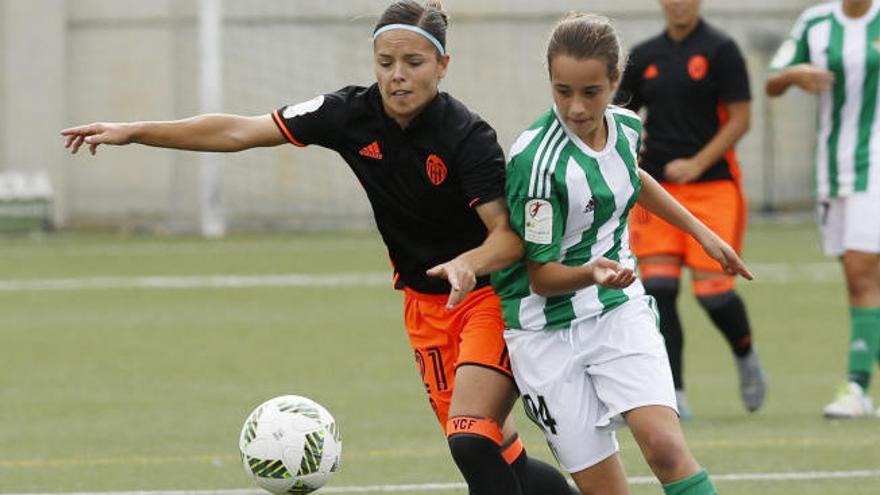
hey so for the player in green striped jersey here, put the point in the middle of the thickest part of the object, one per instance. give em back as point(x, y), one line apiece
point(834, 52)
point(583, 337)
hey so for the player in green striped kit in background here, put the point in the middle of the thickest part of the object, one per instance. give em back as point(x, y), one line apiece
point(584, 342)
point(834, 52)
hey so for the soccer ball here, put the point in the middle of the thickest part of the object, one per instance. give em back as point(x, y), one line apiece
point(290, 444)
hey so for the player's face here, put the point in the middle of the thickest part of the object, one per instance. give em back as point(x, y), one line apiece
point(681, 13)
point(408, 71)
point(582, 90)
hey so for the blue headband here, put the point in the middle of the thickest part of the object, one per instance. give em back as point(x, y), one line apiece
point(415, 29)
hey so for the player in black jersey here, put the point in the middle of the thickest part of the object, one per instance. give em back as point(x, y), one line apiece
point(692, 81)
point(434, 175)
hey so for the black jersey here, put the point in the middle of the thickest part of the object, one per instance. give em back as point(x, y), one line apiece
point(423, 182)
point(684, 86)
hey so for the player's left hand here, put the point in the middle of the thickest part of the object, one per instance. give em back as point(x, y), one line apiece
point(459, 275)
point(611, 274)
point(682, 171)
point(726, 256)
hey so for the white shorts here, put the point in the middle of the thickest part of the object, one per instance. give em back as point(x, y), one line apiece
point(850, 223)
point(576, 383)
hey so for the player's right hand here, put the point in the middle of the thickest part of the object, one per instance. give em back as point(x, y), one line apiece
point(811, 79)
point(96, 134)
point(682, 170)
point(461, 278)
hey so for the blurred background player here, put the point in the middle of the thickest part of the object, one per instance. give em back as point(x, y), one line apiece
point(834, 52)
point(692, 81)
point(582, 334)
point(425, 160)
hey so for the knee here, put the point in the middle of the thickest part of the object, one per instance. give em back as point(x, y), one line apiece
point(713, 292)
point(662, 287)
point(862, 273)
point(474, 445)
point(468, 450)
point(665, 452)
point(661, 280)
point(712, 302)
point(664, 290)
point(472, 439)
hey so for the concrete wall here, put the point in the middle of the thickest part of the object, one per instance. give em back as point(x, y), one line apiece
point(32, 96)
point(76, 61)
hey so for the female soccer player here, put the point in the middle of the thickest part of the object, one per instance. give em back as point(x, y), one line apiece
point(434, 175)
point(834, 52)
point(586, 351)
point(692, 81)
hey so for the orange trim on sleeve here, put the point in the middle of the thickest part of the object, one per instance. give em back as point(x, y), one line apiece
point(471, 425)
point(651, 270)
point(723, 112)
point(713, 286)
point(729, 156)
point(284, 130)
point(473, 202)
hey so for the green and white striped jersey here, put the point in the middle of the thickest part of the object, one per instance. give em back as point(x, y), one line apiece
point(569, 203)
point(848, 138)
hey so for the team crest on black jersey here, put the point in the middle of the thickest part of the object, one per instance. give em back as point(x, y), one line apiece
point(436, 169)
point(698, 67)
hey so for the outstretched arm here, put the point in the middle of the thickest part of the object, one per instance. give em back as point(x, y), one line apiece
point(808, 77)
point(208, 132)
point(501, 248)
point(656, 200)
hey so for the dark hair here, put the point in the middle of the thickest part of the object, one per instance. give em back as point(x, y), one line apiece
point(431, 17)
point(584, 36)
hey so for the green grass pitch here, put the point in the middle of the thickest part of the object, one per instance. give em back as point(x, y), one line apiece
point(146, 389)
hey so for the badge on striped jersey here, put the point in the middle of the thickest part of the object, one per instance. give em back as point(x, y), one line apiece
point(539, 221)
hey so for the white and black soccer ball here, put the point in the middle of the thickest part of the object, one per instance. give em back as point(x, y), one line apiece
point(290, 444)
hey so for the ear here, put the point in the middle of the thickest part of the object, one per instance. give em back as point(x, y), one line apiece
point(615, 82)
point(443, 63)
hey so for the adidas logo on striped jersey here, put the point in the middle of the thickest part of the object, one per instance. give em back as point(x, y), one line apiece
point(591, 205)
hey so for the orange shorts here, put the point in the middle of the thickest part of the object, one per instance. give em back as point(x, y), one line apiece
point(470, 333)
point(718, 204)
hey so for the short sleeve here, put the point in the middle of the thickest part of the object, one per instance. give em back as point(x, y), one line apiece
point(539, 221)
point(481, 165)
point(732, 75)
point(628, 94)
point(794, 50)
point(316, 121)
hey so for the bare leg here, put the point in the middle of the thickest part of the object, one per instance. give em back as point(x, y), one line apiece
point(862, 271)
point(482, 392)
point(658, 433)
point(605, 478)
